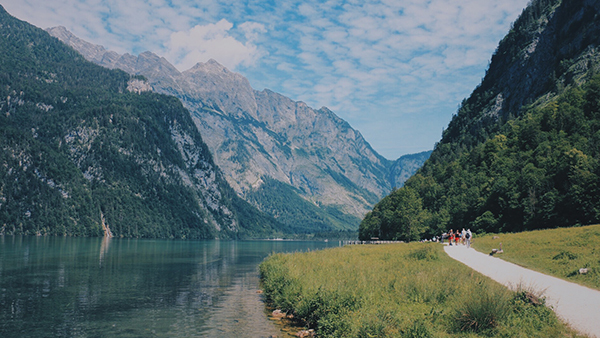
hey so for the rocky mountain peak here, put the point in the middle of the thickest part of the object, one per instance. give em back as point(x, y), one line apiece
point(155, 66)
point(221, 89)
point(90, 51)
point(210, 66)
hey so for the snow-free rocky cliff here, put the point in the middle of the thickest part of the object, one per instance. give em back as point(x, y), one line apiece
point(88, 151)
point(261, 139)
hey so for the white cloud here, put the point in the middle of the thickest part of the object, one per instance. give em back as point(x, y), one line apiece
point(252, 30)
point(213, 41)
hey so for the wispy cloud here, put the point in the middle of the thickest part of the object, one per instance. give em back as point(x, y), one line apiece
point(395, 69)
point(186, 48)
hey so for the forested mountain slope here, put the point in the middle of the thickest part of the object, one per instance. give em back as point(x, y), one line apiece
point(523, 150)
point(307, 167)
point(85, 149)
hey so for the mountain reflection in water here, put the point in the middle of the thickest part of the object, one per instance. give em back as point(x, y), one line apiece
point(101, 287)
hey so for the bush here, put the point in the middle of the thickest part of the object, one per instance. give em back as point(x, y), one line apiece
point(481, 310)
point(325, 311)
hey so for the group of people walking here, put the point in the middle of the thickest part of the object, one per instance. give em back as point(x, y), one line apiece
point(463, 237)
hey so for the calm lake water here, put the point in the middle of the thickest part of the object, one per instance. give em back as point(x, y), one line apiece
point(95, 287)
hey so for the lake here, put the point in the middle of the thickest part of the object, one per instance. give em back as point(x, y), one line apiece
point(98, 287)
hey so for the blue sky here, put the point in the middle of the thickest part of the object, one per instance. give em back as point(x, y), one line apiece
point(396, 70)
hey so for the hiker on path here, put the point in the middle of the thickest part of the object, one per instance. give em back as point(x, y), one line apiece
point(468, 236)
point(462, 236)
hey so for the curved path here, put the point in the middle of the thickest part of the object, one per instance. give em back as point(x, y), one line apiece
point(577, 305)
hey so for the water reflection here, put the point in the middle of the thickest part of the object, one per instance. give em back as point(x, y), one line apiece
point(97, 287)
point(104, 248)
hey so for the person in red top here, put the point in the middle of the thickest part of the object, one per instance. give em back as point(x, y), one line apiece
point(451, 236)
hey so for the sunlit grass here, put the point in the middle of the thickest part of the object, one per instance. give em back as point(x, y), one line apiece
point(558, 252)
point(399, 290)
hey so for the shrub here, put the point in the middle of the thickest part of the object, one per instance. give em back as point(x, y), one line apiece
point(325, 311)
point(482, 309)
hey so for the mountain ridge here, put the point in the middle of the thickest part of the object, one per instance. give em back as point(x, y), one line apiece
point(86, 151)
point(256, 136)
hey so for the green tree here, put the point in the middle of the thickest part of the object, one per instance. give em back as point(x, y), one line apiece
point(399, 216)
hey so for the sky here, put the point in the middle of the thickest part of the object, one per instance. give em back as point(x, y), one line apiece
point(396, 70)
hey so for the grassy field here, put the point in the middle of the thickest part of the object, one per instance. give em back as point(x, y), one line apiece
point(400, 290)
point(557, 252)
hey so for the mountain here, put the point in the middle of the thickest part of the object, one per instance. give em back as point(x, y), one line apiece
point(308, 168)
point(552, 45)
point(404, 167)
point(523, 151)
point(88, 151)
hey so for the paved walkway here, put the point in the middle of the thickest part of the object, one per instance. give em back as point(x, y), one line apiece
point(577, 305)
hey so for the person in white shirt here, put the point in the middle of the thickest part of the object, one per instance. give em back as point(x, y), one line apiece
point(468, 236)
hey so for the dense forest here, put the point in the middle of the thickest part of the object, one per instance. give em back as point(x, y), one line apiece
point(79, 151)
point(518, 155)
point(300, 216)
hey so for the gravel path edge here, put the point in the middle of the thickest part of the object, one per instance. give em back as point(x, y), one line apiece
point(577, 305)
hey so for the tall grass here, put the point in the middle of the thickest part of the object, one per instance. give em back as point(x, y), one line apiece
point(398, 290)
point(558, 252)
point(484, 309)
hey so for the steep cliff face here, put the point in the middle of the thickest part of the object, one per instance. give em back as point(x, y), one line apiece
point(261, 138)
point(404, 167)
point(87, 150)
point(553, 45)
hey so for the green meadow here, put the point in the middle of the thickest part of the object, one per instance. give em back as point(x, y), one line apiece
point(400, 290)
point(558, 252)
